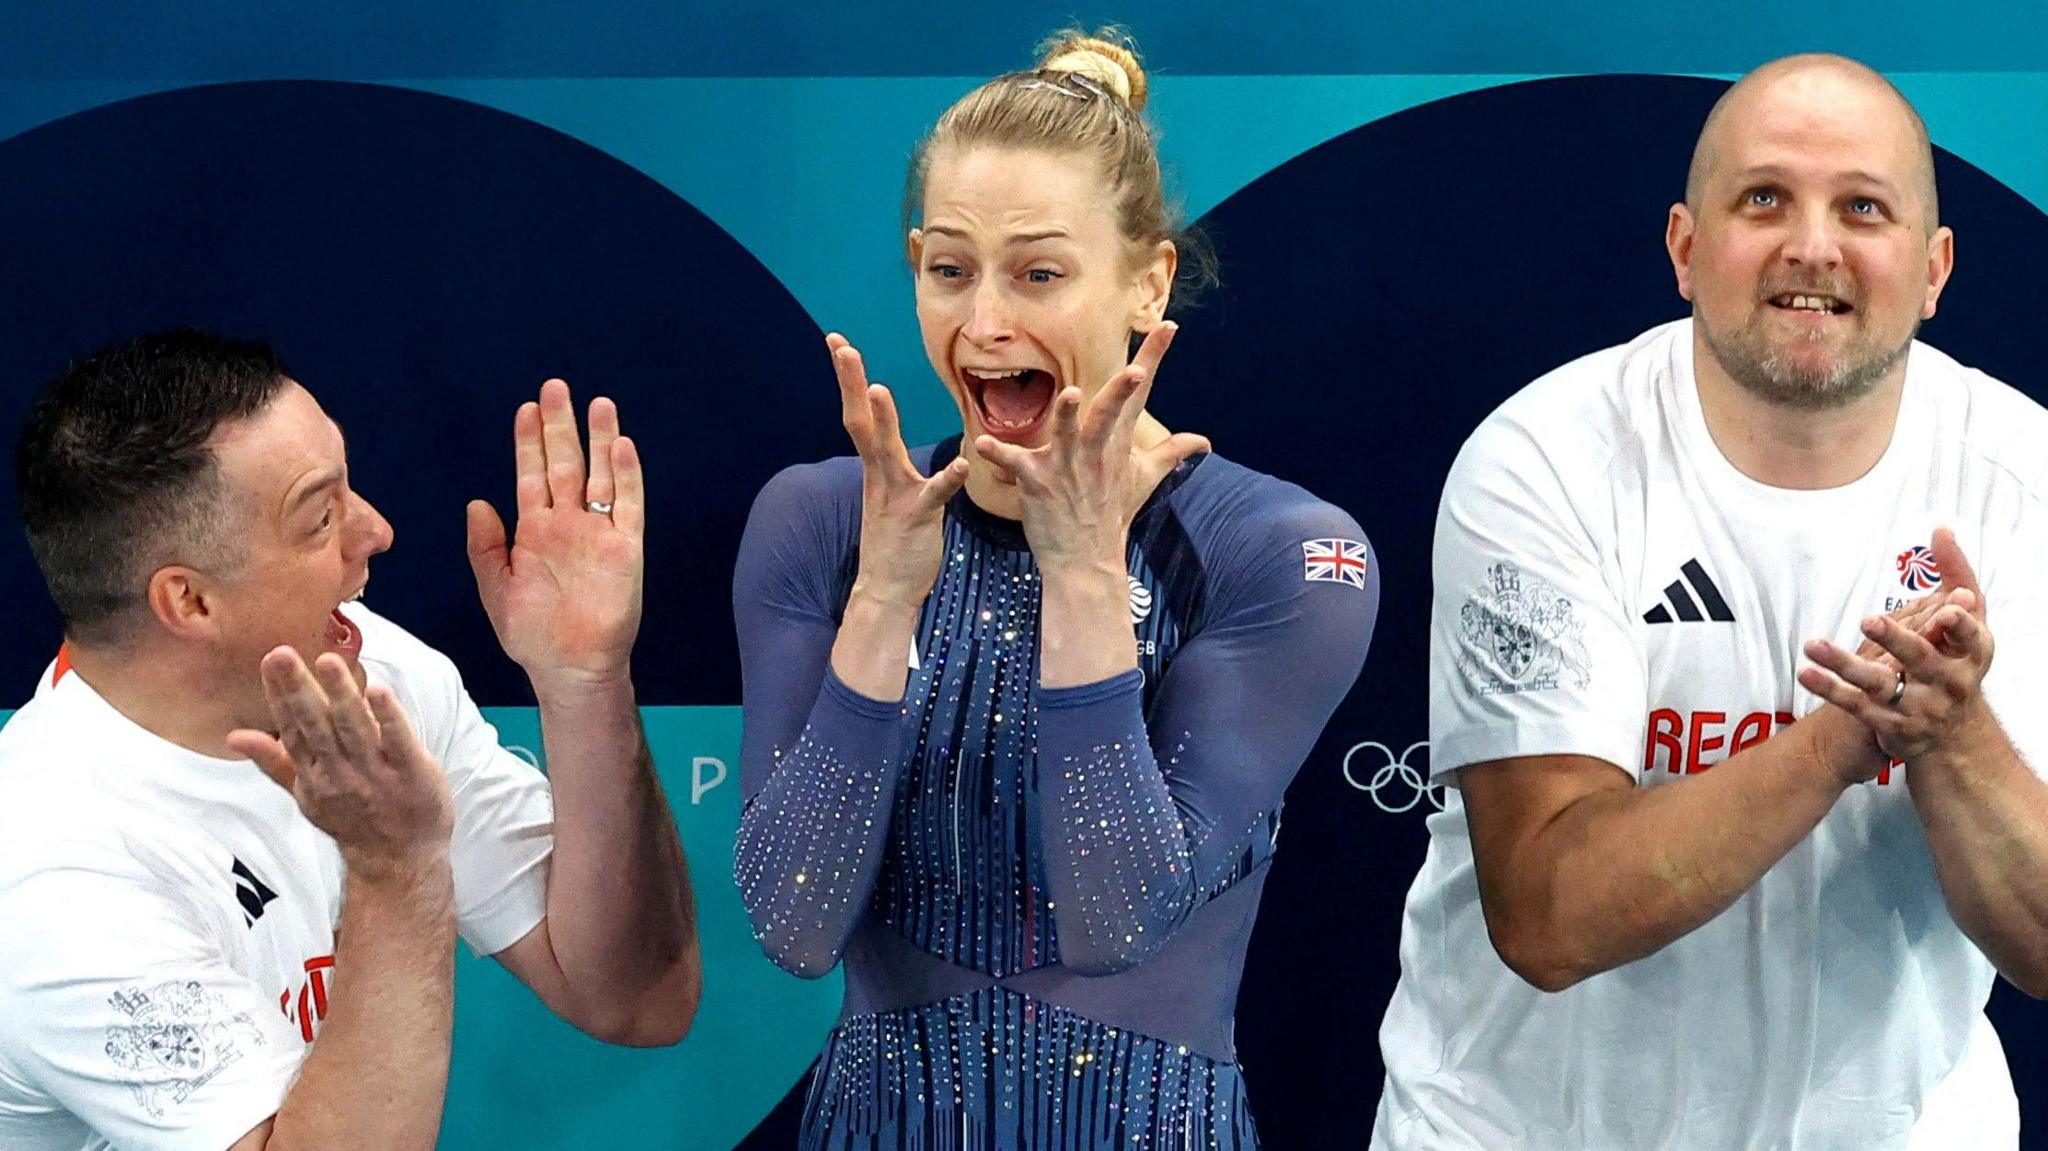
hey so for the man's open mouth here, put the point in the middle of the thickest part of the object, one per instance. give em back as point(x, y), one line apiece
point(342, 634)
point(1813, 302)
point(1012, 402)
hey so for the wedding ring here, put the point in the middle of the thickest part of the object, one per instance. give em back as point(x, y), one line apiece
point(604, 509)
point(1898, 690)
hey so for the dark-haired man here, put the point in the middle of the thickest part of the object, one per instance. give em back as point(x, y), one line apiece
point(1742, 830)
point(179, 929)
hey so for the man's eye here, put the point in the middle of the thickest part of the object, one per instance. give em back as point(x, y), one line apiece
point(1865, 206)
point(1763, 198)
point(1041, 275)
point(948, 271)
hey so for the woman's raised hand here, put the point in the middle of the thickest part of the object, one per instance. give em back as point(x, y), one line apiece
point(902, 511)
point(1082, 488)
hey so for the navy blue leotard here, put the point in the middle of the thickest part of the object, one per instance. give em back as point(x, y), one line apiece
point(1042, 896)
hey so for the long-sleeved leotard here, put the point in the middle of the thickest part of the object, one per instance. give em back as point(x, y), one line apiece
point(1042, 896)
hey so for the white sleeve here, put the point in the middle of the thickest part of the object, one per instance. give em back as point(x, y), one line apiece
point(1531, 648)
point(504, 835)
point(504, 811)
point(116, 1004)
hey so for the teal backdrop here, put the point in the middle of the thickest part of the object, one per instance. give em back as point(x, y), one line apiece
point(524, 1078)
point(784, 129)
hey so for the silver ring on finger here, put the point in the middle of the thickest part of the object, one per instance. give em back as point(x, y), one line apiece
point(601, 507)
point(1898, 691)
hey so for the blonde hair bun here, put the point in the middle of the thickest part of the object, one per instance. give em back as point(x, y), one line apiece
point(1111, 65)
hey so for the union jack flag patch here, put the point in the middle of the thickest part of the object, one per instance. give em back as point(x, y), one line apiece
point(1333, 561)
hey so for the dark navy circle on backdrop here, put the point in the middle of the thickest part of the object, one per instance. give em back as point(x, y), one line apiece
point(422, 263)
point(1381, 294)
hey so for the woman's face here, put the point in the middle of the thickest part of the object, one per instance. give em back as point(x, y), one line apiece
point(1025, 284)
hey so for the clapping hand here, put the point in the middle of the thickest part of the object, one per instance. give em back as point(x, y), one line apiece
point(352, 763)
point(1915, 682)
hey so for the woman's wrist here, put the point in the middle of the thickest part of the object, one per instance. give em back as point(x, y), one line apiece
point(872, 652)
point(884, 596)
point(1102, 560)
point(1085, 630)
point(1083, 582)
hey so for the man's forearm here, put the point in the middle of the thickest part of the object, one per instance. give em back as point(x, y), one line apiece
point(378, 1074)
point(1620, 874)
point(621, 915)
point(1986, 816)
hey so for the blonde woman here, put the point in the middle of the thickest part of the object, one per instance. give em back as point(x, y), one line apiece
point(1021, 706)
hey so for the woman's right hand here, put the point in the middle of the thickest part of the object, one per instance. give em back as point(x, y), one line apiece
point(902, 512)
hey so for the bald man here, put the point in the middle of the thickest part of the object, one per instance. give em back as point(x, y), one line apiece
point(1740, 823)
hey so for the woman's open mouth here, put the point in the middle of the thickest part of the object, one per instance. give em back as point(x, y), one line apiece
point(1012, 402)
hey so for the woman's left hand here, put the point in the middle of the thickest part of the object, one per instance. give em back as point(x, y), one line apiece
point(1085, 484)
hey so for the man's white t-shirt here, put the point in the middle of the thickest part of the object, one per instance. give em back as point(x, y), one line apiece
point(167, 920)
point(1607, 584)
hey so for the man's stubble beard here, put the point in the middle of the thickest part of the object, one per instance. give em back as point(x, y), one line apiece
point(1781, 382)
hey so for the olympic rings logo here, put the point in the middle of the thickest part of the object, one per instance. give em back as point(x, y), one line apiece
point(1396, 786)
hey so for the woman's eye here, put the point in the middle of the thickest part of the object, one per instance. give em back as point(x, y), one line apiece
point(1041, 275)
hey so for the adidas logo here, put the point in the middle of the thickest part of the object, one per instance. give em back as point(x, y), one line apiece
point(251, 893)
point(1679, 604)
